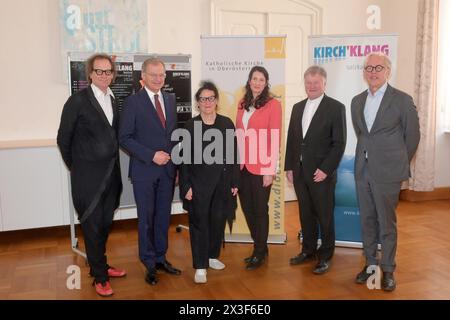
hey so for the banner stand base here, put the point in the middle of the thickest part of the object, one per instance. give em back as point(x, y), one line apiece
point(246, 238)
point(348, 244)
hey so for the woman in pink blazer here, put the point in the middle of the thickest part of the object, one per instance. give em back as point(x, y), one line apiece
point(258, 130)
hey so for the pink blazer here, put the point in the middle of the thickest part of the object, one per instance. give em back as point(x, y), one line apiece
point(259, 145)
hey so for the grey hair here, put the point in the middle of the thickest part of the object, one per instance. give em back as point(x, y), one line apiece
point(387, 61)
point(312, 70)
point(154, 61)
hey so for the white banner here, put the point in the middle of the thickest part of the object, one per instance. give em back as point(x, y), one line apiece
point(343, 58)
point(227, 62)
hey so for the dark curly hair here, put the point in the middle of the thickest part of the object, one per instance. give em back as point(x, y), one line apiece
point(261, 99)
point(207, 85)
point(99, 56)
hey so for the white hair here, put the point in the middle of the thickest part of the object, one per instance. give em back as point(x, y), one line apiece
point(387, 61)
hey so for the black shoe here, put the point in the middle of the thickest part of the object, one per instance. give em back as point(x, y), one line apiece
point(300, 258)
point(322, 267)
point(166, 266)
point(388, 283)
point(247, 260)
point(362, 277)
point(151, 277)
point(255, 263)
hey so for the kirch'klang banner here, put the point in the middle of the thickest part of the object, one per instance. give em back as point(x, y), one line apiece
point(343, 58)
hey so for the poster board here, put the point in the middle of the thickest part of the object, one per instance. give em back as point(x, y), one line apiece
point(127, 82)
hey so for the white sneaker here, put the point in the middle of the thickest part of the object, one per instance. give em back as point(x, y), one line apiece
point(216, 264)
point(200, 276)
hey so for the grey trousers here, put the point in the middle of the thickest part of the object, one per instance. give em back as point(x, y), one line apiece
point(377, 203)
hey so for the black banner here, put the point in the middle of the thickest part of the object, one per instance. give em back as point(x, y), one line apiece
point(127, 82)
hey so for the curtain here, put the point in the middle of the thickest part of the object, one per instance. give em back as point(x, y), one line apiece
point(423, 164)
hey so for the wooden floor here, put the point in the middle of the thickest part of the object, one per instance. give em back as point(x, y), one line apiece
point(33, 265)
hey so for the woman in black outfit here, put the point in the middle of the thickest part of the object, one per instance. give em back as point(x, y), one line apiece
point(208, 180)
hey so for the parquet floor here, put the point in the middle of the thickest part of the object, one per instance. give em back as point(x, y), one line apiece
point(33, 265)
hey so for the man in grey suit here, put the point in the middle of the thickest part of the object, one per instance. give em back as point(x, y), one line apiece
point(387, 130)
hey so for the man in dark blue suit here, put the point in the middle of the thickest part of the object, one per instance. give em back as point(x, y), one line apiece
point(147, 122)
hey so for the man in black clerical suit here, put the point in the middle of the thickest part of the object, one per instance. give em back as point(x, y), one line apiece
point(315, 145)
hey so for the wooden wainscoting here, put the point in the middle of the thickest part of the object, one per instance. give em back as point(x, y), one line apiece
point(436, 194)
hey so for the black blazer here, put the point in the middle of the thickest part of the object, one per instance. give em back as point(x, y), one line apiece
point(90, 149)
point(204, 177)
point(324, 143)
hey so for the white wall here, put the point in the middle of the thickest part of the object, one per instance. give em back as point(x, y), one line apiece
point(32, 198)
point(32, 85)
point(33, 88)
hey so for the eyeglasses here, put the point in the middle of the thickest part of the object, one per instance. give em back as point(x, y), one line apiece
point(376, 68)
point(154, 75)
point(99, 72)
point(209, 99)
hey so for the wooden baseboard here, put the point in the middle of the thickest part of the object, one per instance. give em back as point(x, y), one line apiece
point(415, 196)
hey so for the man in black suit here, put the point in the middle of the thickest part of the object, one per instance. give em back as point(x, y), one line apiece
point(315, 144)
point(87, 139)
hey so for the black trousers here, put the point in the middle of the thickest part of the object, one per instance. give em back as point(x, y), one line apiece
point(254, 200)
point(207, 219)
point(96, 230)
point(316, 201)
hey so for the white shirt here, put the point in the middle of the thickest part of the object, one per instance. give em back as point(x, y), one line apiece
point(105, 101)
point(310, 109)
point(371, 107)
point(247, 115)
point(151, 95)
point(373, 102)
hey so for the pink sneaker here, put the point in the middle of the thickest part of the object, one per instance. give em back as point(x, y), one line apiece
point(116, 273)
point(103, 289)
